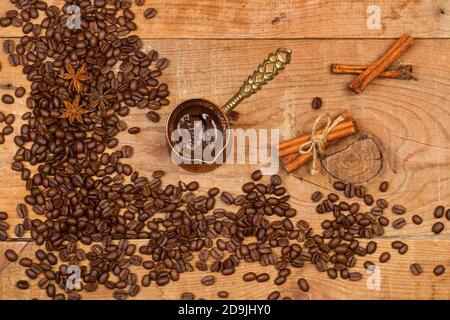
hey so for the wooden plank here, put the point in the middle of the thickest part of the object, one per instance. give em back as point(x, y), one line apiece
point(410, 119)
point(286, 19)
point(396, 281)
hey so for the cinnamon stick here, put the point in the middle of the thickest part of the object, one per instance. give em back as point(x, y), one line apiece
point(292, 145)
point(292, 162)
point(402, 72)
point(358, 84)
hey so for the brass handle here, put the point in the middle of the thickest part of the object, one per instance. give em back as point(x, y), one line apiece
point(266, 71)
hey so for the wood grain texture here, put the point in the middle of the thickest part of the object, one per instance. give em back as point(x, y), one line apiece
point(287, 19)
point(396, 281)
point(409, 119)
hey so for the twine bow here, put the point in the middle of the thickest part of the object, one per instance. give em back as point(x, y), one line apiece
point(317, 142)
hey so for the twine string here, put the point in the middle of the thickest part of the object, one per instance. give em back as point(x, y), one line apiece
point(316, 144)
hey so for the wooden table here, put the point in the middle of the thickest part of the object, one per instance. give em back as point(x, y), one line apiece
point(213, 46)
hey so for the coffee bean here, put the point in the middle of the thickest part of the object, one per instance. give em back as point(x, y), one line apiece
point(339, 185)
point(25, 262)
point(275, 179)
point(439, 212)
point(280, 280)
point(187, 296)
point(397, 244)
point(371, 247)
point(316, 196)
point(249, 276)
point(3, 216)
point(398, 209)
point(226, 197)
point(382, 203)
point(416, 219)
point(150, 13)
point(11, 255)
point(139, 2)
point(22, 284)
point(303, 285)
point(360, 191)
point(256, 175)
point(447, 214)
point(5, 22)
point(162, 280)
point(248, 187)
point(316, 103)
point(7, 130)
point(403, 249)
point(22, 211)
point(349, 190)
point(274, 295)
point(10, 118)
point(213, 192)
point(20, 92)
point(368, 199)
point(384, 257)
point(192, 186)
point(437, 227)
point(415, 269)
point(134, 130)
point(208, 280)
point(8, 46)
point(355, 276)
point(19, 230)
point(368, 265)
point(333, 197)
point(384, 185)
point(153, 116)
point(439, 270)
point(332, 273)
point(7, 99)
point(262, 277)
point(221, 294)
point(162, 63)
point(399, 223)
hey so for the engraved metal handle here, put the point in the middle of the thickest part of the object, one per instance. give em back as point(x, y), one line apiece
point(266, 71)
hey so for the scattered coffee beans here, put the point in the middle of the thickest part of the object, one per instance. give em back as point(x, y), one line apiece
point(20, 92)
point(150, 13)
point(437, 227)
point(384, 186)
point(439, 212)
point(384, 257)
point(7, 99)
point(11, 255)
point(415, 269)
point(316, 103)
point(22, 284)
point(439, 270)
point(303, 285)
point(208, 280)
point(416, 219)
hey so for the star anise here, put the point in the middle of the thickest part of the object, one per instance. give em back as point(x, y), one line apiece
point(98, 97)
point(76, 77)
point(73, 110)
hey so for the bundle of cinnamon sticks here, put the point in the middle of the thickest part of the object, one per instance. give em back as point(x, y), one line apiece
point(289, 150)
